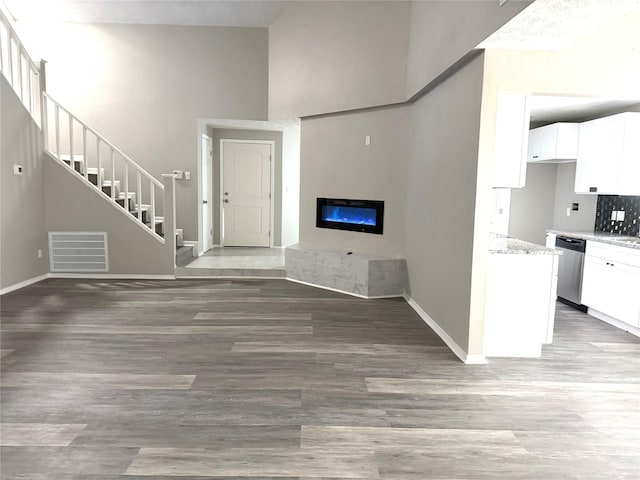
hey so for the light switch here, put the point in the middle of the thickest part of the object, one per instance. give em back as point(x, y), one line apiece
point(620, 216)
point(187, 175)
point(367, 140)
point(17, 169)
point(568, 211)
point(614, 215)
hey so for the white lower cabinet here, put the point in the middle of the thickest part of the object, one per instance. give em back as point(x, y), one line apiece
point(611, 282)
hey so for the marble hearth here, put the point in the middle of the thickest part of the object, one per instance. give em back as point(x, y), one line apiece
point(356, 273)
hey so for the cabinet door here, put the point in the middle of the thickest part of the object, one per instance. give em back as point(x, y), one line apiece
point(544, 143)
point(612, 288)
point(511, 140)
point(600, 148)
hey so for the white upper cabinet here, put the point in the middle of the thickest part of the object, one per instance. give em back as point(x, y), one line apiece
point(553, 143)
point(609, 155)
point(511, 140)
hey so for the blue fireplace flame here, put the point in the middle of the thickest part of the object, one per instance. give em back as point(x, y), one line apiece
point(352, 215)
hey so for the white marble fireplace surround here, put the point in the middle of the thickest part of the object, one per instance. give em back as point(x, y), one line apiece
point(359, 274)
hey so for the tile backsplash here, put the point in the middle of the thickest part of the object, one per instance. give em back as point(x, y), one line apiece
point(606, 209)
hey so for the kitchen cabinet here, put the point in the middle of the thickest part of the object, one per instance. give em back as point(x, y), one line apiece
point(511, 140)
point(553, 143)
point(611, 282)
point(609, 155)
point(520, 304)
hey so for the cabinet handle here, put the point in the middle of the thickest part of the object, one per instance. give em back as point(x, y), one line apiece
point(535, 156)
point(593, 189)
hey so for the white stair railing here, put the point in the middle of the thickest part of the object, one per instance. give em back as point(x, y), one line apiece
point(103, 166)
point(18, 68)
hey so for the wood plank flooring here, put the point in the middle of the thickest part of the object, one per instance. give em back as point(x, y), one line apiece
point(272, 380)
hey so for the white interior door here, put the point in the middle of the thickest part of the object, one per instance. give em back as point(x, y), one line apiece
point(246, 194)
point(207, 194)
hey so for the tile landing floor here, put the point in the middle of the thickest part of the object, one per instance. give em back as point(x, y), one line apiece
point(236, 262)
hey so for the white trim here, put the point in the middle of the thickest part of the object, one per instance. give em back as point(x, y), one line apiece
point(112, 276)
point(614, 321)
point(341, 291)
point(25, 283)
point(201, 159)
point(195, 246)
point(473, 359)
point(272, 169)
point(218, 277)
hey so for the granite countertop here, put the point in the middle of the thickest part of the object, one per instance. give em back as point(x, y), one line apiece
point(512, 246)
point(604, 237)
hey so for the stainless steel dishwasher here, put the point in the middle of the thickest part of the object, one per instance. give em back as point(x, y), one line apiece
point(570, 271)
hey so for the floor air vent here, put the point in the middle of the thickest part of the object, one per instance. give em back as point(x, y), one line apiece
point(78, 252)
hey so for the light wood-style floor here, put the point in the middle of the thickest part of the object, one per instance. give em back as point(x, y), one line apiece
point(267, 379)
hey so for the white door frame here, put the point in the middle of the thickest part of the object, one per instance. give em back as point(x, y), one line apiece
point(209, 183)
point(272, 146)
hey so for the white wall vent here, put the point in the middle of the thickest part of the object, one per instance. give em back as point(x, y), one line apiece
point(78, 252)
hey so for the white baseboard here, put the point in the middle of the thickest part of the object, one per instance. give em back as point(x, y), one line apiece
point(614, 321)
point(112, 276)
point(341, 291)
point(26, 283)
point(468, 359)
point(221, 277)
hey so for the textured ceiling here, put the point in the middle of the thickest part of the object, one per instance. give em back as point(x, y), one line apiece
point(556, 24)
point(236, 13)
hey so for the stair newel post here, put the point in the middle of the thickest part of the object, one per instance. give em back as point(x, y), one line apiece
point(99, 159)
point(139, 198)
point(126, 185)
point(169, 200)
point(113, 176)
point(72, 162)
point(84, 152)
point(152, 198)
point(57, 130)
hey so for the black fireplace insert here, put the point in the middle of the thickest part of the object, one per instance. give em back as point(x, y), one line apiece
point(355, 215)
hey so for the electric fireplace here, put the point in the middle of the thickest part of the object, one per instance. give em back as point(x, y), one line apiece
point(355, 215)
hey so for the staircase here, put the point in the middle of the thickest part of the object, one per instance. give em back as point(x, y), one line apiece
point(103, 166)
point(86, 154)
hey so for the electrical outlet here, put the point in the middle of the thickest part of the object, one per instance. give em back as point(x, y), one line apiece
point(614, 215)
point(178, 174)
point(620, 216)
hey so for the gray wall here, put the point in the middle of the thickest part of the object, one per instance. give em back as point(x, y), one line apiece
point(442, 175)
point(585, 217)
point(441, 32)
point(74, 206)
point(332, 56)
point(532, 207)
point(22, 213)
point(144, 87)
point(236, 134)
point(335, 163)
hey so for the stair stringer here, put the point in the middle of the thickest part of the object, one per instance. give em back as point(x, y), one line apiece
point(74, 204)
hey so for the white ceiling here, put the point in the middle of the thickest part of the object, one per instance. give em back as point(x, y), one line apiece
point(549, 108)
point(556, 24)
point(234, 13)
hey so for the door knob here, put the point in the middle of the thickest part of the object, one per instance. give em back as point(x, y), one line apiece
point(204, 202)
point(226, 200)
point(226, 193)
